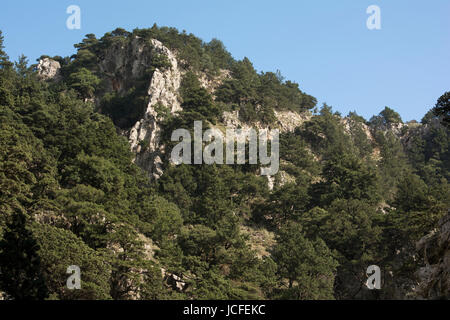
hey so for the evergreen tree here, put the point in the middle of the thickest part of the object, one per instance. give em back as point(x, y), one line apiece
point(442, 108)
point(340, 197)
point(21, 66)
point(4, 59)
point(20, 265)
point(308, 266)
point(85, 82)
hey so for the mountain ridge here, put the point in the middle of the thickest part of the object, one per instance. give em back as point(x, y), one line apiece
point(89, 138)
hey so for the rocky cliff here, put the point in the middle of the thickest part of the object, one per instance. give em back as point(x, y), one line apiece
point(125, 63)
point(49, 69)
point(122, 65)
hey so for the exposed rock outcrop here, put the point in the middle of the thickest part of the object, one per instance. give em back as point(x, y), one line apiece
point(211, 84)
point(287, 121)
point(163, 91)
point(49, 69)
point(122, 65)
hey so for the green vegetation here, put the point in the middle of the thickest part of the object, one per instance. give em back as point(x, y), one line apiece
point(351, 193)
point(256, 96)
point(442, 108)
point(84, 82)
point(308, 266)
point(21, 275)
point(386, 117)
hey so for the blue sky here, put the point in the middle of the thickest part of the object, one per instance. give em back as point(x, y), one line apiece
point(322, 44)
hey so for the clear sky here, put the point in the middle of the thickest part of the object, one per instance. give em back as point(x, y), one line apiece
point(322, 44)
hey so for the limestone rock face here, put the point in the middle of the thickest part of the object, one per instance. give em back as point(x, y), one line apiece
point(124, 63)
point(121, 66)
point(287, 121)
point(211, 84)
point(49, 69)
point(163, 91)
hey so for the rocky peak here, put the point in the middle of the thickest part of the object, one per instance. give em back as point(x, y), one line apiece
point(48, 69)
point(124, 64)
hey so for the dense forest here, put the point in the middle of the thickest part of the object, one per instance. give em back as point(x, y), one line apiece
point(350, 192)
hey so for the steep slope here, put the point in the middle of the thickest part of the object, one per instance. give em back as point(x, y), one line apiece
point(89, 138)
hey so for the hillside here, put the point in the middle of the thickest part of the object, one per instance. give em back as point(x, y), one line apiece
point(87, 180)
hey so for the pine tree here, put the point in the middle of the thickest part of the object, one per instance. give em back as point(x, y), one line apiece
point(308, 266)
point(20, 265)
point(442, 108)
point(4, 59)
point(21, 66)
